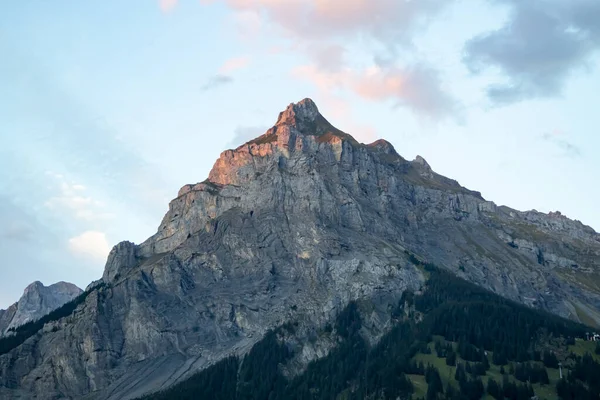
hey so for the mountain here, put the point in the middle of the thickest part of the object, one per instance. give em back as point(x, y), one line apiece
point(292, 227)
point(37, 301)
point(452, 341)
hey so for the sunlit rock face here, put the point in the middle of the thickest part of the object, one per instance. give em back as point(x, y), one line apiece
point(290, 227)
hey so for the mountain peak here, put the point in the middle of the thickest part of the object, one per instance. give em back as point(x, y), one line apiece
point(300, 128)
point(384, 146)
point(421, 161)
point(37, 285)
point(304, 111)
point(38, 300)
point(302, 118)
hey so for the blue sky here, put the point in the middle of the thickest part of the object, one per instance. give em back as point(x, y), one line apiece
point(108, 107)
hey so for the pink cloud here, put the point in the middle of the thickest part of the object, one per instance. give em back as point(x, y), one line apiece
point(328, 57)
point(248, 24)
point(234, 64)
point(335, 107)
point(167, 5)
point(387, 20)
point(317, 28)
point(276, 49)
point(417, 88)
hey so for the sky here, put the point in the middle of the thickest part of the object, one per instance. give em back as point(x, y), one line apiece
point(108, 107)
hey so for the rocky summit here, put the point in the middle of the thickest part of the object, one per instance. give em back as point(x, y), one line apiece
point(291, 227)
point(37, 301)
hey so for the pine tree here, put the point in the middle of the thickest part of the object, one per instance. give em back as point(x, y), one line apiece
point(451, 358)
point(494, 389)
point(460, 374)
point(550, 359)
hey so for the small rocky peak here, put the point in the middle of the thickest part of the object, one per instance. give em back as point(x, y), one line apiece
point(37, 301)
point(383, 146)
point(66, 288)
point(421, 161)
point(37, 288)
point(302, 118)
point(34, 290)
point(34, 287)
point(305, 111)
point(121, 258)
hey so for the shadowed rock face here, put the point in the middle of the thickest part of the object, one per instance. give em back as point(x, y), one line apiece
point(37, 301)
point(291, 226)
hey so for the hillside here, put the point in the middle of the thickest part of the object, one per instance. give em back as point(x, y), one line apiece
point(453, 341)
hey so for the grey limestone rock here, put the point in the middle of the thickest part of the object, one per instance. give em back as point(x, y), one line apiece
point(37, 301)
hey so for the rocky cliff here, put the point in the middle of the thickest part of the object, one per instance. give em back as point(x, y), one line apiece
point(290, 227)
point(37, 301)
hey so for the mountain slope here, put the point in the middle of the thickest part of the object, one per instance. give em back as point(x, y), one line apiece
point(291, 227)
point(478, 336)
point(37, 301)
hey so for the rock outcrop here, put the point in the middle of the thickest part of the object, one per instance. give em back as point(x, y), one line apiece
point(290, 227)
point(37, 301)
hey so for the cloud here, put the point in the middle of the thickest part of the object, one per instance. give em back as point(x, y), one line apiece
point(540, 46)
point(73, 201)
point(234, 64)
point(389, 21)
point(21, 224)
point(309, 23)
point(417, 88)
point(243, 134)
point(167, 5)
point(319, 28)
point(17, 230)
point(90, 244)
point(557, 138)
point(216, 82)
point(17, 225)
point(327, 57)
point(223, 78)
point(248, 25)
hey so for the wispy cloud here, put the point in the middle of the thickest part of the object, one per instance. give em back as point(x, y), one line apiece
point(73, 200)
point(234, 64)
point(216, 81)
point(417, 87)
point(541, 45)
point(389, 21)
point(319, 29)
point(558, 138)
point(17, 225)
